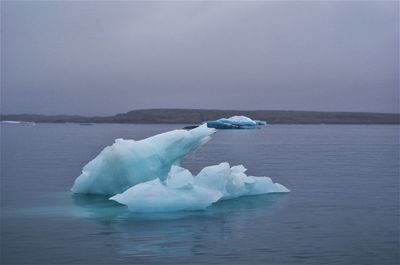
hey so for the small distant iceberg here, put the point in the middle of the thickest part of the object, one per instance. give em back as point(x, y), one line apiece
point(236, 122)
point(146, 175)
point(11, 122)
point(19, 122)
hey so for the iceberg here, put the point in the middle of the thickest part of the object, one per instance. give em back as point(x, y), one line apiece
point(19, 122)
point(11, 122)
point(146, 175)
point(235, 122)
point(129, 162)
point(183, 191)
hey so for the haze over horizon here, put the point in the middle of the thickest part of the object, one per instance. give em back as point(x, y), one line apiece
point(104, 58)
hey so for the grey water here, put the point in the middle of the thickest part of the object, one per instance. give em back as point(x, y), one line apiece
point(343, 207)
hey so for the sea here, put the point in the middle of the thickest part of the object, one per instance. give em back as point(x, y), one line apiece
point(343, 207)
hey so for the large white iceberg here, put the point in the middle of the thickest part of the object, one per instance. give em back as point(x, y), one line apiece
point(129, 162)
point(146, 175)
point(235, 122)
point(183, 191)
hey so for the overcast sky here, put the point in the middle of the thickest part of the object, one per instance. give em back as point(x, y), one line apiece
point(110, 57)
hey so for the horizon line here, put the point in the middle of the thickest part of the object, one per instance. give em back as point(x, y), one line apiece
point(202, 109)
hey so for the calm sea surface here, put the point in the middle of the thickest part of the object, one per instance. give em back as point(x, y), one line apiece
point(343, 207)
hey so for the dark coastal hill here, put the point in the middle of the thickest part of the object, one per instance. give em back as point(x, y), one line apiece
point(196, 116)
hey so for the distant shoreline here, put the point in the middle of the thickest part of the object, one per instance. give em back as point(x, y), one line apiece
point(197, 116)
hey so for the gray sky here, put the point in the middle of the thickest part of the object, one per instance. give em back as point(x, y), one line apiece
point(111, 57)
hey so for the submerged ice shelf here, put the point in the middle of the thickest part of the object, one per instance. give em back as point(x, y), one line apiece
point(146, 175)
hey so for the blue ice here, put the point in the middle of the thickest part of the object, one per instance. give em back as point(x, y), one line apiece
point(146, 175)
point(236, 122)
